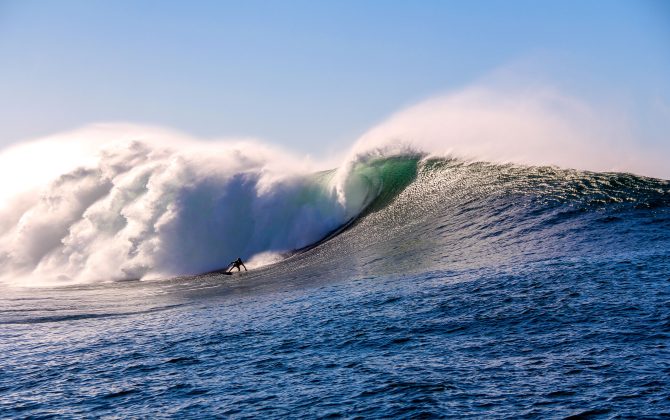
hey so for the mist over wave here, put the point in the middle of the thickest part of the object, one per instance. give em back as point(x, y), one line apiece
point(118, 202)
point(532, 127)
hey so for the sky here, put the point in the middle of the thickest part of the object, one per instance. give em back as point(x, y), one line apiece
point(314, 75)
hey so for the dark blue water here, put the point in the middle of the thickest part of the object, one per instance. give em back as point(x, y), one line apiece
point(466, 290)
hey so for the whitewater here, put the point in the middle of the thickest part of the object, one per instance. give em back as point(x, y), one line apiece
point(479, 254)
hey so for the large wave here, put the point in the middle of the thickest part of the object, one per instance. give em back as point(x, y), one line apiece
point(117, 202)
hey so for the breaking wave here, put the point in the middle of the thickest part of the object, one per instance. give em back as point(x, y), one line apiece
point(118, 202)
point(150, 211)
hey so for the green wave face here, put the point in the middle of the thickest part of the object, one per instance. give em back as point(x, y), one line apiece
point(385, 178)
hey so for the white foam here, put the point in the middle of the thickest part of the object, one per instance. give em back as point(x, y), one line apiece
point(160, 206)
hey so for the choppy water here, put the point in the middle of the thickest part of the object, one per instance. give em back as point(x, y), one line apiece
point(465, 290)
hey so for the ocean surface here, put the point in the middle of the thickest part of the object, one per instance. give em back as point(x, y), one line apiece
point(456, 290)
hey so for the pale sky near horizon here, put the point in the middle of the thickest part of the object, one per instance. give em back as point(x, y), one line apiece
point(311, 75)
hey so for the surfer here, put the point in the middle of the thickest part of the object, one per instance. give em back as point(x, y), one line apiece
point(236, 264)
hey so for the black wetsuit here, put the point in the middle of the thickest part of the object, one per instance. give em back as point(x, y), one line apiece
point(236, 264)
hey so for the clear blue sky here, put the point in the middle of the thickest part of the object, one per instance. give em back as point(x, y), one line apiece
point(310, 75)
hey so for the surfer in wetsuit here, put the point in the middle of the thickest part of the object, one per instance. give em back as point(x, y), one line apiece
point(236, 264)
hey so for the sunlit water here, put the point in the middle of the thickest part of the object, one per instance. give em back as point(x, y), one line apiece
point(488, 291)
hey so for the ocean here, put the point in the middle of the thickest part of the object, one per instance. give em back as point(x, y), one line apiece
point(418, 287)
